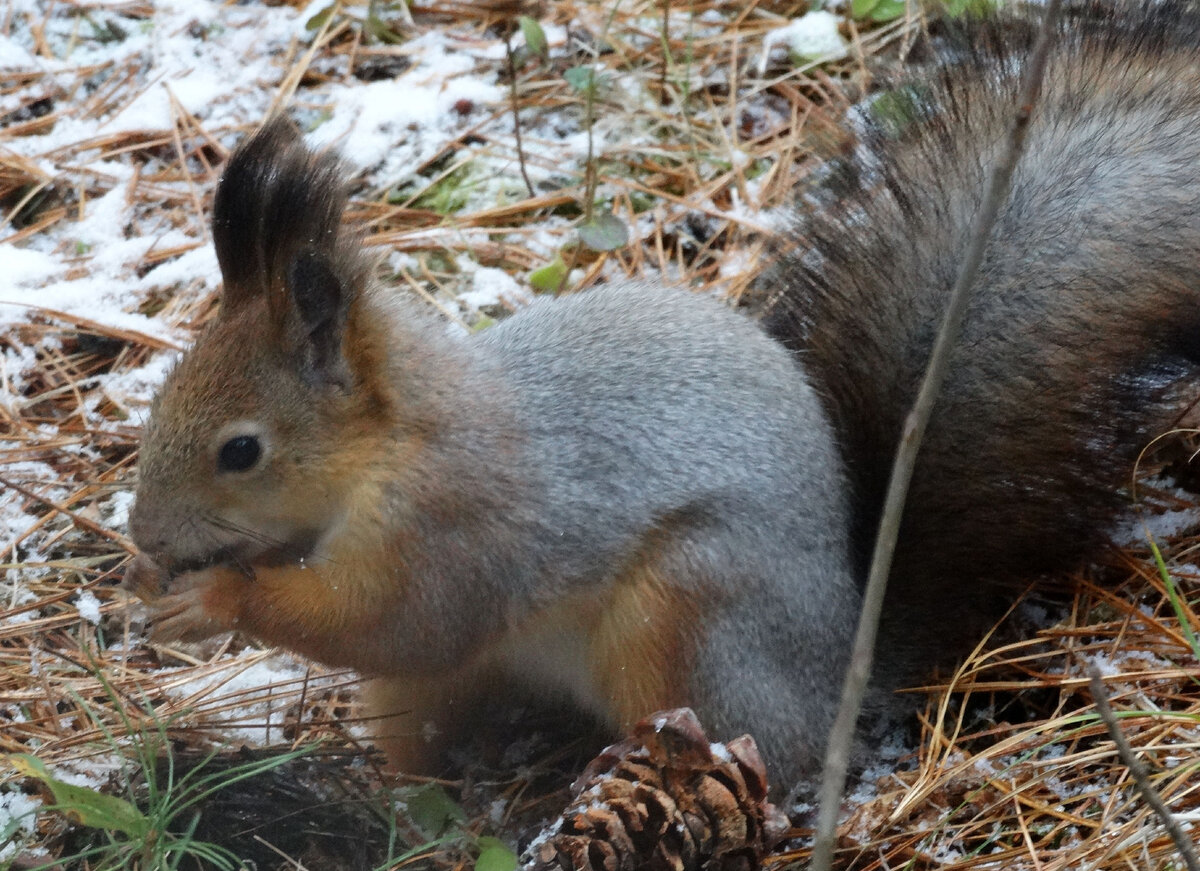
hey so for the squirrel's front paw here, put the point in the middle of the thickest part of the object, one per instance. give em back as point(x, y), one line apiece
point(145, 578)
point(185, 613)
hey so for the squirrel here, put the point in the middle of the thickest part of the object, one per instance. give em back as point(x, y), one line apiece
point(642, 498)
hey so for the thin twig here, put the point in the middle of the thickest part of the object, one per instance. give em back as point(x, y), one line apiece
point(590, 178)
point(841, 738)
point(1140, 778)
point(516, 112)
point(665, 39)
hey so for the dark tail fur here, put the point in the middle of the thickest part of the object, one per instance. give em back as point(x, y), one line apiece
point(1082, 340)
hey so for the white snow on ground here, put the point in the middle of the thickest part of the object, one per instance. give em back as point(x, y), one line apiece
point(405, 121)
point(492, 286)
point(813, 36)
point(88, 606)
point(17, 810)
point(259, 720)
point(1134, 530)
point(220, 64)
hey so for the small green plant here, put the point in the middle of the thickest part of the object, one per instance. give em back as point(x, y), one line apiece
point(598, 230)
point(440, 819)
point(1177, 603)
point(82, 805)
point(450, 193)
point(494, 855)
point(536, 46)
point(878, 11)
point(153, 825)
point(157, 832)
point(956, 8)
point(320, 18)
point(378, 26)
point(379, 22)
point(535, 37)
point(882, 11)
point(105, 31)
point(549, 278)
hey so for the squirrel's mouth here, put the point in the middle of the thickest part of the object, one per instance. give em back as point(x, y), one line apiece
point(245, 555)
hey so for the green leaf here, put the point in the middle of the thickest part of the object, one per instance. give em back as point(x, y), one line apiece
point(897, 109)
point(862, 8)
point(84, 806)
point(604, 232)
point(482, 322)
point(318, 20)
point(380, 29)
point(535, 37)
point(494, 855)
point(549, 278)
point(582, 79)
point(1173, 595)
point(956, 8)
point(432, 810)
point(888, 10)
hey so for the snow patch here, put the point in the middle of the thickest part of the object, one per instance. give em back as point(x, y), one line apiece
point(88, 606)
point(19, 812)
point(492, 286)
point(812, 37)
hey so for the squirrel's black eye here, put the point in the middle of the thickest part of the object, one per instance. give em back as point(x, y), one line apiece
point(239, 454)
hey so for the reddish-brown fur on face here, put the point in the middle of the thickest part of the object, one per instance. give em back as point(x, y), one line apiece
point(319, 448)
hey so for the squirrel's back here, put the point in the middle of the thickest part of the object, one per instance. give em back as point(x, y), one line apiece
point(1082, 339)
point(634, 397)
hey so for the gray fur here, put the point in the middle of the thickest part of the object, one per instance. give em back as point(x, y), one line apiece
point(632, 425)
point(623, 426)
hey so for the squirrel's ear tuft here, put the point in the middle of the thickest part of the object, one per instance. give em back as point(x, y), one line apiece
point(277, 198)
point(322, 304)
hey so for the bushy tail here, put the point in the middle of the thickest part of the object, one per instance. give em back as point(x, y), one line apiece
point(1082, 340)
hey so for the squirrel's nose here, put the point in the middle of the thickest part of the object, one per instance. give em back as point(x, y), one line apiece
point(143, 531)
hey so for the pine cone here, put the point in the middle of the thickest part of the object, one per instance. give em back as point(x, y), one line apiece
point(665, 799)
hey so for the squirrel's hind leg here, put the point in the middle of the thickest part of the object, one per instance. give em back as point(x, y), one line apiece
point(642, 647)
point(773, 656)
point(774, 683)
point(414, 719)
point(758, 649)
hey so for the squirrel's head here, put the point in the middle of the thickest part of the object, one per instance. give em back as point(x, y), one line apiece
point(254, 436)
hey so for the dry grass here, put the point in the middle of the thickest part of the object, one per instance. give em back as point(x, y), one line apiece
point(1014, 769)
